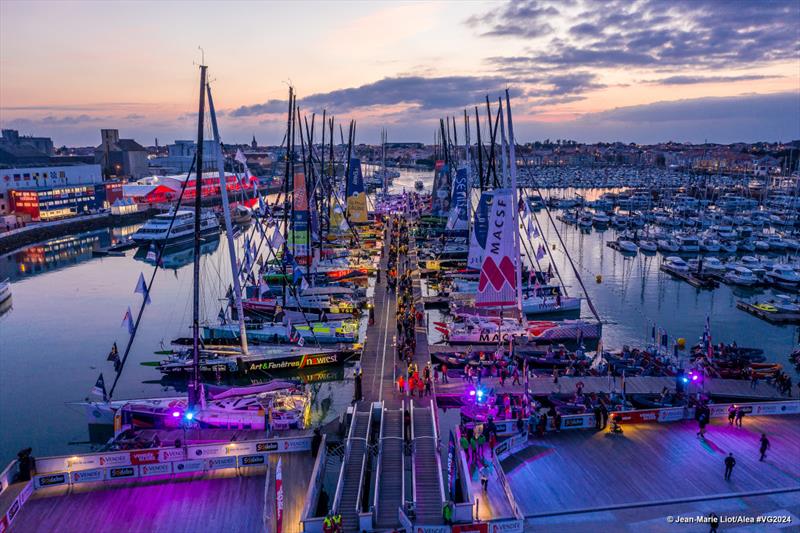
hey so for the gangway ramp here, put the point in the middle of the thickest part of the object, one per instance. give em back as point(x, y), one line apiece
point(351, 476)
point(390, 477)
point(428, 487)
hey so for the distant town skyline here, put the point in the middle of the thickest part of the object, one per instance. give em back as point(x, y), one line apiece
point(645, 71)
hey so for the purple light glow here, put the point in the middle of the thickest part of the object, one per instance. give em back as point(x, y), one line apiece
point(176, 414)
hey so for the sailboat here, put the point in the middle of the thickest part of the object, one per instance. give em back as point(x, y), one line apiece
point(242, 409)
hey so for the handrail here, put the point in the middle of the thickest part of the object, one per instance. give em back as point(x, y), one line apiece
point(501, 476)
point(402, 459)
point(322, 457)
point(363, 463)
point(413, 454)
point(461, 464)
point(378, 468)
point(438, 454)
point(6, 475)
point(345, 457)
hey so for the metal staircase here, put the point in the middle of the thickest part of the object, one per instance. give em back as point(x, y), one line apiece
point(427, 470)
point(390, 477)
point(351, 477)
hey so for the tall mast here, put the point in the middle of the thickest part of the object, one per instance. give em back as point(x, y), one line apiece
point(226, 213)
point(513, 165)
point(194, 386)
point(286, 192)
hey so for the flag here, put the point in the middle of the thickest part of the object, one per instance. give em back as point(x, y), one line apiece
point(707, 334)
point(303, 284)
point(653, 332)
point(113, 355)
point(279, 497)
point(540, 253)
point(240, 157)
point(99, 388)
point(263, 289)
point(151, 253)
point(141, 288)
point(300, 340)
point(128, 319)
point(221, 315)
point(531, 228)
point(277, 240)
point(296, 274)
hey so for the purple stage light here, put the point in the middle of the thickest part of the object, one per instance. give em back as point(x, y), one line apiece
point(176, 414)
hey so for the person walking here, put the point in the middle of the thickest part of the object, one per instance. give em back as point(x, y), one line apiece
point(731, 414)
point(764, 446)
point(730, 462)
point(713, 522)
point(484, 473)
point(702, 421)
point(444, 373)
point(739, 416)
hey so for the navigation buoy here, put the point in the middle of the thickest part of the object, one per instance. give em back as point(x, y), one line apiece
point(598, 278)
point(681, 343)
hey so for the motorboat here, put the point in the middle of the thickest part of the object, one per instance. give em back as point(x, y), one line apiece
point(647, 246)
point(728, 247)
point(741, 276)
point(600, 219)
point(668, 245)
point(674, 263)
point(161, 229)
point(689, 244)
point(747, 245)
point(548, 299)
point(627, 246)
point(707, 265)
point(585, 220)
point(783, 275)
point(762, 244)
point(710, 246)
point(241, 214)
point(776, 243)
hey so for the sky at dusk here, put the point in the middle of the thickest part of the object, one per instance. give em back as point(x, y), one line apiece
point(635, 71)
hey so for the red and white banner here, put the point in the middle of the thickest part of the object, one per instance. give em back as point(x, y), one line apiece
point(497, 285)
point(278, 497)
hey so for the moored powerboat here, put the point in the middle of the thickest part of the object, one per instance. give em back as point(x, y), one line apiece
point(741, 276)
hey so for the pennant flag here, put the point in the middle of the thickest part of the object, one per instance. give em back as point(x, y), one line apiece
point(221, 315)
point(303, 284)
point(279, 497)
point(277, 240)
point(531, 227)
point(296, 274)
point(141, 288)
point(113, 355)
point(128, 319)
point(99, 388)
point(540, 253)
point(263, 289)
point(240, 157)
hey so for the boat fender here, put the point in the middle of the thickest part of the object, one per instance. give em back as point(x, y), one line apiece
point(598, 278)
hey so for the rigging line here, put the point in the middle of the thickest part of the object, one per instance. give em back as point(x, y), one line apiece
point(150, 284)
point(569, 258)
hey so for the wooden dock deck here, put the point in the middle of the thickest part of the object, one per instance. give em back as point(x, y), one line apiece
point(216, 502)
point(543, 386)
point(573, 471)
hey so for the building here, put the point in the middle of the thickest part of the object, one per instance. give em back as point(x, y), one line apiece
point(181, 155)
point(164, 189)
point(121, 157)
point(51, 203)
point(40, 144)
point(44, 176)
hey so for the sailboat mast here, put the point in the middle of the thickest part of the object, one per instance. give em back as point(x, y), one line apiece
point(286, 192)
point(226, 213)
point(194, 386)
point(513, 165)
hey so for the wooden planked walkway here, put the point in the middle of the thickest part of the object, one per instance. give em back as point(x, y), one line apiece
point(652, 462)
point(297, 469)
point(217, 502)
point(544, 385)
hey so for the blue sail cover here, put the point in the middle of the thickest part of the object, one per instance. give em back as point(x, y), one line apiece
point(459, 218)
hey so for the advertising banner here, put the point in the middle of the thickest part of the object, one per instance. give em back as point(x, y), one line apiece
point(155, 470)
point(356, 195)
point(85, 476)
point(497, 285)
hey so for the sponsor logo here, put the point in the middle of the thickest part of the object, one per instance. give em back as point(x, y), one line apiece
point(87, 475)
point(221, 462)
point(572, 422)
point(152, 470)
point(188, 466)
point(126, 471)
point(54, 479)
point(111, 460)
point(271, 446)
point(14, 510)
point(144, 457)
point(252, 460)
point(171, 454)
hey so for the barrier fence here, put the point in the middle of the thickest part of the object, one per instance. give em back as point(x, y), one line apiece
point(137, 464)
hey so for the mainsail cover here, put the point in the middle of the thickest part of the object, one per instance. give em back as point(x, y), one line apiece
point(480, 228)
point(357, 196)
point(458, 219)
point(497, 284)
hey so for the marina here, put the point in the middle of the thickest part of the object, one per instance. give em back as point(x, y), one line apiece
point(485, 332)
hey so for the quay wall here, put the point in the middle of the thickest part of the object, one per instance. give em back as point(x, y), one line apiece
point(37, 232)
